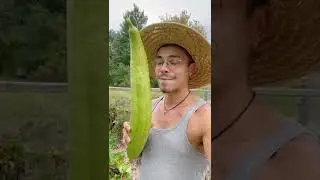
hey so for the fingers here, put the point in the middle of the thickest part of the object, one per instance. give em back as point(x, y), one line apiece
point(123, 141)
point(125, 134)
point(127, 126)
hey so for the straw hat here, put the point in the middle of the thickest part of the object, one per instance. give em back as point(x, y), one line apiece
point(292, 46)
point(158, 34)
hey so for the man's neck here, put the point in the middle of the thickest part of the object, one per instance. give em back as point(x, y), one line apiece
point(228, 103)
point(172, 98)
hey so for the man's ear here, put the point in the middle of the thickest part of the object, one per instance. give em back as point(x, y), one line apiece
point(192, 69)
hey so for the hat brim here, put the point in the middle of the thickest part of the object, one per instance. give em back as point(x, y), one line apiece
point(291, 49)
point(156, 35)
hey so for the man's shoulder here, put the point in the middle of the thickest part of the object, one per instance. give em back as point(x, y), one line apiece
point(299, 158)
point(203, 115)
point(204, 110)
point(155, 100)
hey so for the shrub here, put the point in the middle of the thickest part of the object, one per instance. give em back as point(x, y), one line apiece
point(119, 112)
point(54, 70)
point(119, 168)
point(12, 160)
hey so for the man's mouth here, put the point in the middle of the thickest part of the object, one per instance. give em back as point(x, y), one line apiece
point(165, 79)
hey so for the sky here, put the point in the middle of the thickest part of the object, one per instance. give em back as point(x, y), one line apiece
point(155, 8)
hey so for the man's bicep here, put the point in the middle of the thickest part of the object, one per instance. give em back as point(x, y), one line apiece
point(207, 144)
point(207, 133)
point(304, 150)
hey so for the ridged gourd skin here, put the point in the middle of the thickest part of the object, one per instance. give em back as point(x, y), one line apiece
point(140, 118)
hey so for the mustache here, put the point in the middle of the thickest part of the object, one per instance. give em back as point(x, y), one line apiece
point(166, 77)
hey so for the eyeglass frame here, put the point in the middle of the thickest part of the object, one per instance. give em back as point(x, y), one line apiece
point(167, 62)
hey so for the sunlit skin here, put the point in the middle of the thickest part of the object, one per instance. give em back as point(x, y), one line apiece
point(173, 78)
point(173, 69)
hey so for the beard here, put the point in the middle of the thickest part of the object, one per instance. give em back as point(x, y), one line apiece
point(164, 87)
point(164, 91)
point(166, 82)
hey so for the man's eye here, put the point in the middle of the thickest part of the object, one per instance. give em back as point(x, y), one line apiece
point(173, 62)
point(159, 62)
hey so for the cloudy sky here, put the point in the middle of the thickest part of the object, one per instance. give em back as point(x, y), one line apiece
point(200, 10)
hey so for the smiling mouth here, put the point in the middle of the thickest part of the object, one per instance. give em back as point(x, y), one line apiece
point(166, 79)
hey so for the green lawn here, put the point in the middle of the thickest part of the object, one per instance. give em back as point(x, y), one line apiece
point(35, 124)
point(17, 107)
point(286, 105)
point(39, 122)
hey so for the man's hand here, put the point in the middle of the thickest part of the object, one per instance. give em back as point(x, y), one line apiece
point(125, 134)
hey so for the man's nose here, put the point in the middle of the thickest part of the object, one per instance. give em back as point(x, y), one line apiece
point(164, 68)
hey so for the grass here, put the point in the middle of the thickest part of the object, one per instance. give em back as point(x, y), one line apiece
point(114, 94)
point(38, 123)
point(286, 105)
point(42, 110)
point(44, 117)
point(16, 107)
point(33, 104)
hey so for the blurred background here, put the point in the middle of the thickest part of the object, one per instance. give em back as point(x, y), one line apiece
point(33, 102)
point(298, 99)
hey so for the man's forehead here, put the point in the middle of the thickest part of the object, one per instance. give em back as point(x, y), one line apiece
point(170, 50)
point(174, 51)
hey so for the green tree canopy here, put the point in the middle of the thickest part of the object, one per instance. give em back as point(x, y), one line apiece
point(32, 39)
point(119, 49)
point(184, 17)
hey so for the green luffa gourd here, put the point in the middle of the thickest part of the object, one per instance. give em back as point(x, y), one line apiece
point(140, 119)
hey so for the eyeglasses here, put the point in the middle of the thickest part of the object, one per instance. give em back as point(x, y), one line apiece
point(171, 62)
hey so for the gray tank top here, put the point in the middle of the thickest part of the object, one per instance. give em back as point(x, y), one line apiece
point(168, 155)
point(246, 167)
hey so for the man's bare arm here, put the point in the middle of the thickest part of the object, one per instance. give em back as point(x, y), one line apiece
point(206, 129)
point(299, 159)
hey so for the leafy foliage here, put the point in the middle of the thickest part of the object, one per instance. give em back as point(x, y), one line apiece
point(19, 159)
point(119, 112)
point(12, 163)
point(119, 50)
point(32, 37)
point(119, 168)
point(185, 18)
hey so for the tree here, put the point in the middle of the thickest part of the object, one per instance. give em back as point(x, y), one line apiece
point(112, 35)
point(119, 49)
point(139, 19)
point(32, 39)
point(184, 18)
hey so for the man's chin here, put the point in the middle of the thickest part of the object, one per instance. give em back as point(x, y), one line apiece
point(165, 89)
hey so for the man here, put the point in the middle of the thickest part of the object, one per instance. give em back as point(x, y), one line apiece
point(258, 43)
point(179, 144)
